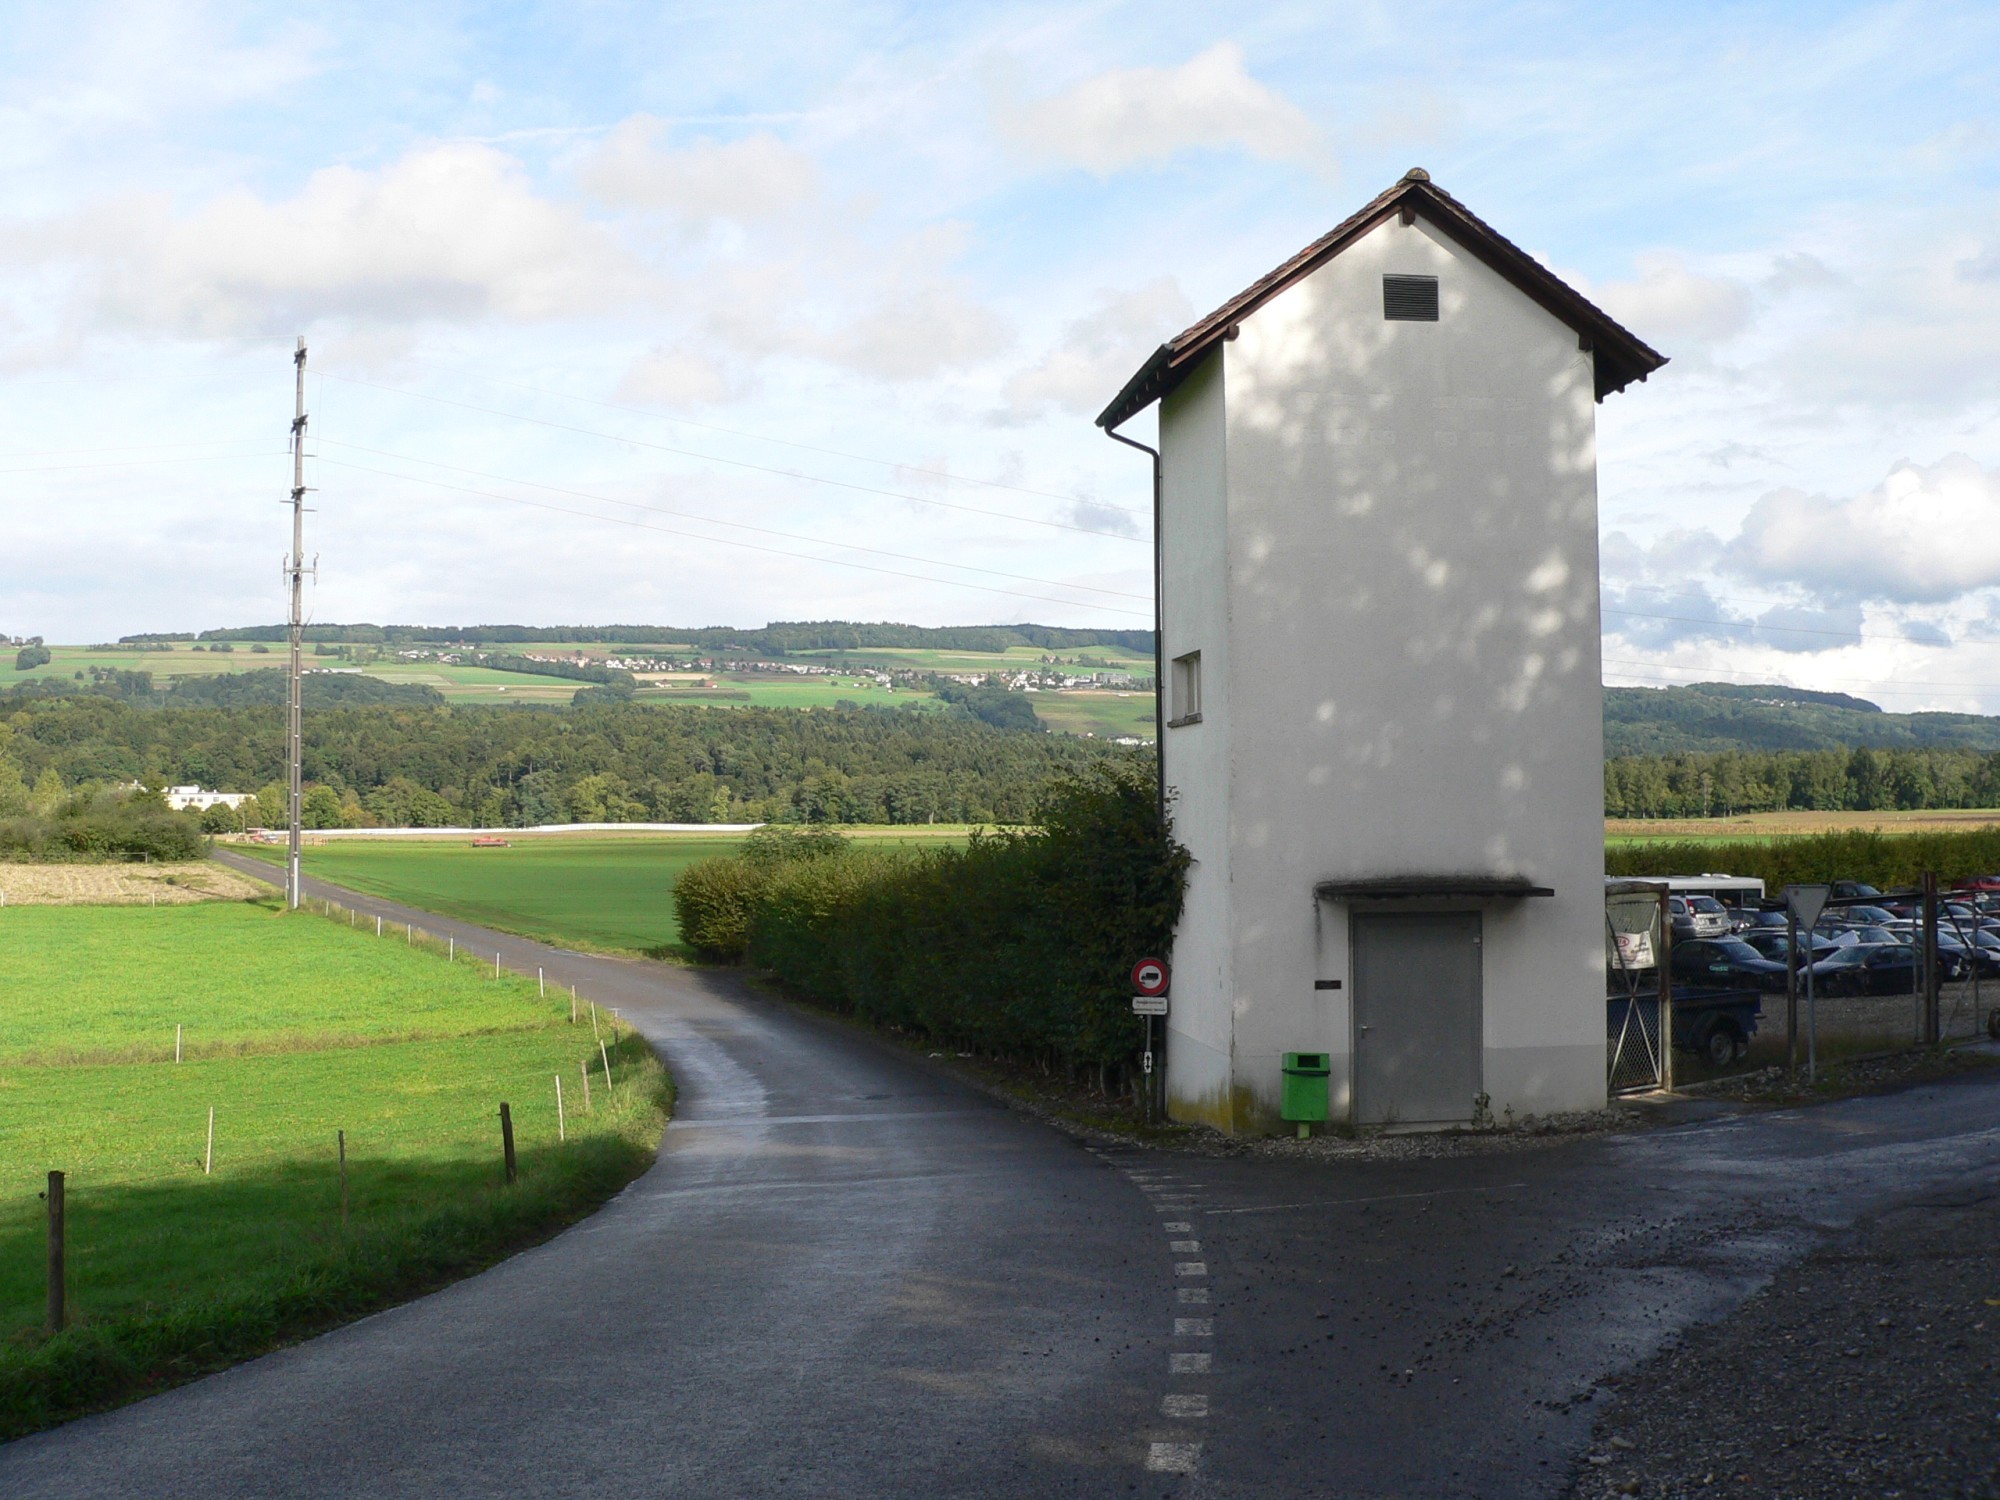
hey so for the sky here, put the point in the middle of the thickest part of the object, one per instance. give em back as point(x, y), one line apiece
point(720, 314)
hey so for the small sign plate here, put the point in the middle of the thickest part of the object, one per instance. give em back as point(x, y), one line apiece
point(1149, 1005)
point(1149, 976)
point(1635, 950)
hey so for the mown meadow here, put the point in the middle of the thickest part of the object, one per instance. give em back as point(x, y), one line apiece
point(292, 1027)
point(613, 894)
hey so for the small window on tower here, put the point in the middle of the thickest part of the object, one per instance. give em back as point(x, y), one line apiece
point(1410, 299)
point(1187, 690)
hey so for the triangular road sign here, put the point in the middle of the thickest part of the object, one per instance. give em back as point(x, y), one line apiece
point(1806, 902)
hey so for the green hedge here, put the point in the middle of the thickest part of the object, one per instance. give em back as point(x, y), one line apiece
point(103, 825)
point(1019, 945)
point(1882, 860)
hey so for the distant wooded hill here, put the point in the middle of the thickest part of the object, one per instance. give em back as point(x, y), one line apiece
point(775, 639)
point(1718, 716)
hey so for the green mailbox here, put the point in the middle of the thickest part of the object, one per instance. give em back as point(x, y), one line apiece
point(1305, 1089)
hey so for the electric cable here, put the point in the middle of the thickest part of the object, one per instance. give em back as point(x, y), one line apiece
point(738, 463)
point(732, 542)
point(791, 536)
point(759, 437)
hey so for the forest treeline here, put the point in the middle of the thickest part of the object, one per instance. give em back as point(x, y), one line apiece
point(775, 639)
point(503, 766)
point(1710, 716)
point(1729, 782)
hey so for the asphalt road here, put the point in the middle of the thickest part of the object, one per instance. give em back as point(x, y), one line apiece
point(847, 1275)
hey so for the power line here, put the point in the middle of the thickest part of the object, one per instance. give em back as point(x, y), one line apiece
point(799, 474)
point(759, 437)
point(793, 536)
point(137, 463)
point(732, 542)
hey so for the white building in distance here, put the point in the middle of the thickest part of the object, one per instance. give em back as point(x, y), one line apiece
point(182, 798)
point(1378, 559)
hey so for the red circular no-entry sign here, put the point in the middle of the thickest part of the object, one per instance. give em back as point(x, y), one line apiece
point(1149, 976)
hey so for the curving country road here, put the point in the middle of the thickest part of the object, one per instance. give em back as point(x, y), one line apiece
point(847, 1275)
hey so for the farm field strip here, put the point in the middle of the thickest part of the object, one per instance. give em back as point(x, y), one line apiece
point(472, 684)
point(1764, 827)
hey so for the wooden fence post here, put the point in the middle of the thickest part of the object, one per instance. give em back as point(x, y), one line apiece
point(507, 1139)
point(343, 1178)
point(58, 1281)
point(562, 1128)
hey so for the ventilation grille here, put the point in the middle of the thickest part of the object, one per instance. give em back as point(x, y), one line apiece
point(1410, 299)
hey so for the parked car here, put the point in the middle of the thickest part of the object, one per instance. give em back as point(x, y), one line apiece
point(1857, 916)
point(1715, 1024)
point(1954, 961)
point(1777, 946)
point(1842, 890)
point(1725, 963)
point(1697, 917)
point(1985, 952)
point(1868, 969)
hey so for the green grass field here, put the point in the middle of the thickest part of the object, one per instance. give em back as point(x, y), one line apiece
point(613, 893)
point(294, 1027)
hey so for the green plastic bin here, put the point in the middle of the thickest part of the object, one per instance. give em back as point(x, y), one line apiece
point(1304, 1097)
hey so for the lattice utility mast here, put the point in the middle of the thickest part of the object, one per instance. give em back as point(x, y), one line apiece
point(295, 572)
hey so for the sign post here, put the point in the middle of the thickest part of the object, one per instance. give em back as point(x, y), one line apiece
point(1805, 903)
point(1150, 979)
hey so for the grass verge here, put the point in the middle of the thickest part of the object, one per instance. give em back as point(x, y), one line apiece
point(176, 1270)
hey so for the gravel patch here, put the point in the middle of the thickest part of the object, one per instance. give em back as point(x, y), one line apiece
point(1871, 1368)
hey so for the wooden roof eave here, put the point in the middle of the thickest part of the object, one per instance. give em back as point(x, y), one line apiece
point(1619, 357)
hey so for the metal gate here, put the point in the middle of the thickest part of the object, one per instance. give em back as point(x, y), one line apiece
point(1638, 994)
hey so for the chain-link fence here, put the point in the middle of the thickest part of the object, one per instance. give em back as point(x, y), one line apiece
point(1638, 1003)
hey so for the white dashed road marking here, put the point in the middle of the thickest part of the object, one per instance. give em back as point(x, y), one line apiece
point(1171, 1196)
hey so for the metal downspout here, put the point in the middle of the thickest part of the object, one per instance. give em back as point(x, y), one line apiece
point(1159, 631)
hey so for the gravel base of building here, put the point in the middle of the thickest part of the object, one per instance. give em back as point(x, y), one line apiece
point(1871, 1368)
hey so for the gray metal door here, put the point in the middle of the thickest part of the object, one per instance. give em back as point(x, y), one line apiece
point(1416, 1017)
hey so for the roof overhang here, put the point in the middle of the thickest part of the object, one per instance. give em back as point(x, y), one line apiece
point(1619, 356)
point(1417, 887)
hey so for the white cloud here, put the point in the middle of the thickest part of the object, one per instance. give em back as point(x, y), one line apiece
point(675, 378)
point(1668, 302)
point(1098, 352)
point(756, 177)
point(450, 232)
point(916, 333)
point(1131, 116)
point(1923, 535)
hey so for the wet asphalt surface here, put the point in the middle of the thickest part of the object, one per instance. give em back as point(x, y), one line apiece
point(849, 1275)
